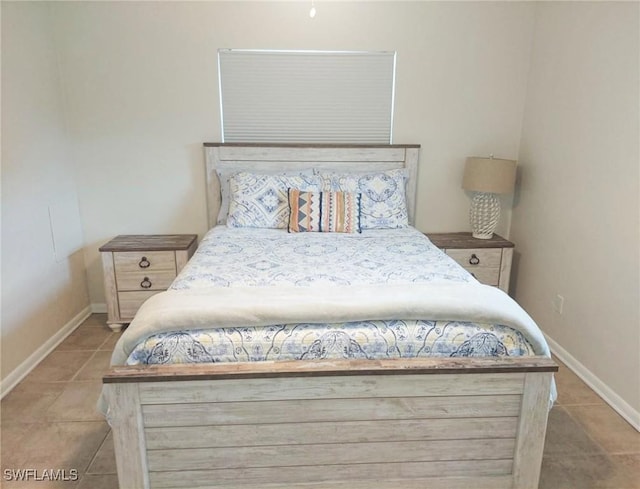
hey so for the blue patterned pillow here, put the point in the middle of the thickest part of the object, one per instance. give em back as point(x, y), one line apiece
point(225, 198)
point(261, 201)
point(383, 204)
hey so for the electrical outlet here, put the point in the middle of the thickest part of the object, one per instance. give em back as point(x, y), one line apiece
point(558, 304)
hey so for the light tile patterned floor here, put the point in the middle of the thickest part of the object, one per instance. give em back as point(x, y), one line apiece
point(50, 421)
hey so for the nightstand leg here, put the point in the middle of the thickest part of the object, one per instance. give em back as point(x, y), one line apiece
point(116, 327)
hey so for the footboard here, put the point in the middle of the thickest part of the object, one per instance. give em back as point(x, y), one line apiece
point(437, 423)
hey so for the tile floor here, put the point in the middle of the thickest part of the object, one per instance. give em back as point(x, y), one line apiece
point(49, 421)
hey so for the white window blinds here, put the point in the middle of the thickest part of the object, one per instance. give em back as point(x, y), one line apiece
point(306, 96)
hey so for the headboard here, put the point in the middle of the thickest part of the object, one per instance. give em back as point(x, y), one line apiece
point(258, 157)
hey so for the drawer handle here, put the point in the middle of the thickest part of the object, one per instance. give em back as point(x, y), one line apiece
point(146, 283)
point(474, 260)
point(144, 263)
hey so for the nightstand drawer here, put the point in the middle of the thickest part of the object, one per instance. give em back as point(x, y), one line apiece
point(477, 257)
point(489, 260)
point(129, 261)
point(145, 280)
point(488, 276)
point(130, 302)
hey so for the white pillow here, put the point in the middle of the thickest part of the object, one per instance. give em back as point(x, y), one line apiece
point(225, 193)
point(383, 204)
point(261, 200)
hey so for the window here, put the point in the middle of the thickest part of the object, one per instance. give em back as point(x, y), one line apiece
point(306, 96)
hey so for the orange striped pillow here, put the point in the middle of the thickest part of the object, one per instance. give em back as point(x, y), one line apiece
point(325, 212)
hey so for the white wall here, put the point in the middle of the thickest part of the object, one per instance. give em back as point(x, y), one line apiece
point(40, 294)
point(577, 217)
point(142, 96)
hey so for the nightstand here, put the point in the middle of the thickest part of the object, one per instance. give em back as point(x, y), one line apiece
point(139, 266)
point(489, 260)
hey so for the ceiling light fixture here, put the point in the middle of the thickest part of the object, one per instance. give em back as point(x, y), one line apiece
point(312, 12)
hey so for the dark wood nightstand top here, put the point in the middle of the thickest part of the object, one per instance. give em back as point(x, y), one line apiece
point(149, 242)
point(465, 240)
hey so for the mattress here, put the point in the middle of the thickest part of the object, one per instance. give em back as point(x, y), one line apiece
point(247, 257)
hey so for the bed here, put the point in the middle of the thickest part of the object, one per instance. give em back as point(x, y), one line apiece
point(326, 359)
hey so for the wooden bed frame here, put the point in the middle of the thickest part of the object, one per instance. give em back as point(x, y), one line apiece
point(349, 424)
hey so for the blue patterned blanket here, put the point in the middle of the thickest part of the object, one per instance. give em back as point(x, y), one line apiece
point(254, 295)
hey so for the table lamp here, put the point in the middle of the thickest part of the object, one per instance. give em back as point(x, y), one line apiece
point(487, 177)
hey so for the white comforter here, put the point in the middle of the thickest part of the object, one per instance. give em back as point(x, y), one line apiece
point(263, 306)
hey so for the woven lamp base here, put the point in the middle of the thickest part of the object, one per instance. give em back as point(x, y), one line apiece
point(484, 215)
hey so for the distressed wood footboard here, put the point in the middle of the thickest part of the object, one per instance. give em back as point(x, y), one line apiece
point(437, 423)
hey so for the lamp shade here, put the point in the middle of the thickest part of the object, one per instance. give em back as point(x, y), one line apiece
point(491, 175)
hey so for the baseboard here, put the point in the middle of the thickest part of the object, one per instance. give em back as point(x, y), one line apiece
point(99, 308)
point(622, 407)
point(20, 372)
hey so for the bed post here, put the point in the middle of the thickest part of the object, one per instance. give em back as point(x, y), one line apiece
point(412, 156)
point(128, 435)
point(212, 156)
point(532, 428)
